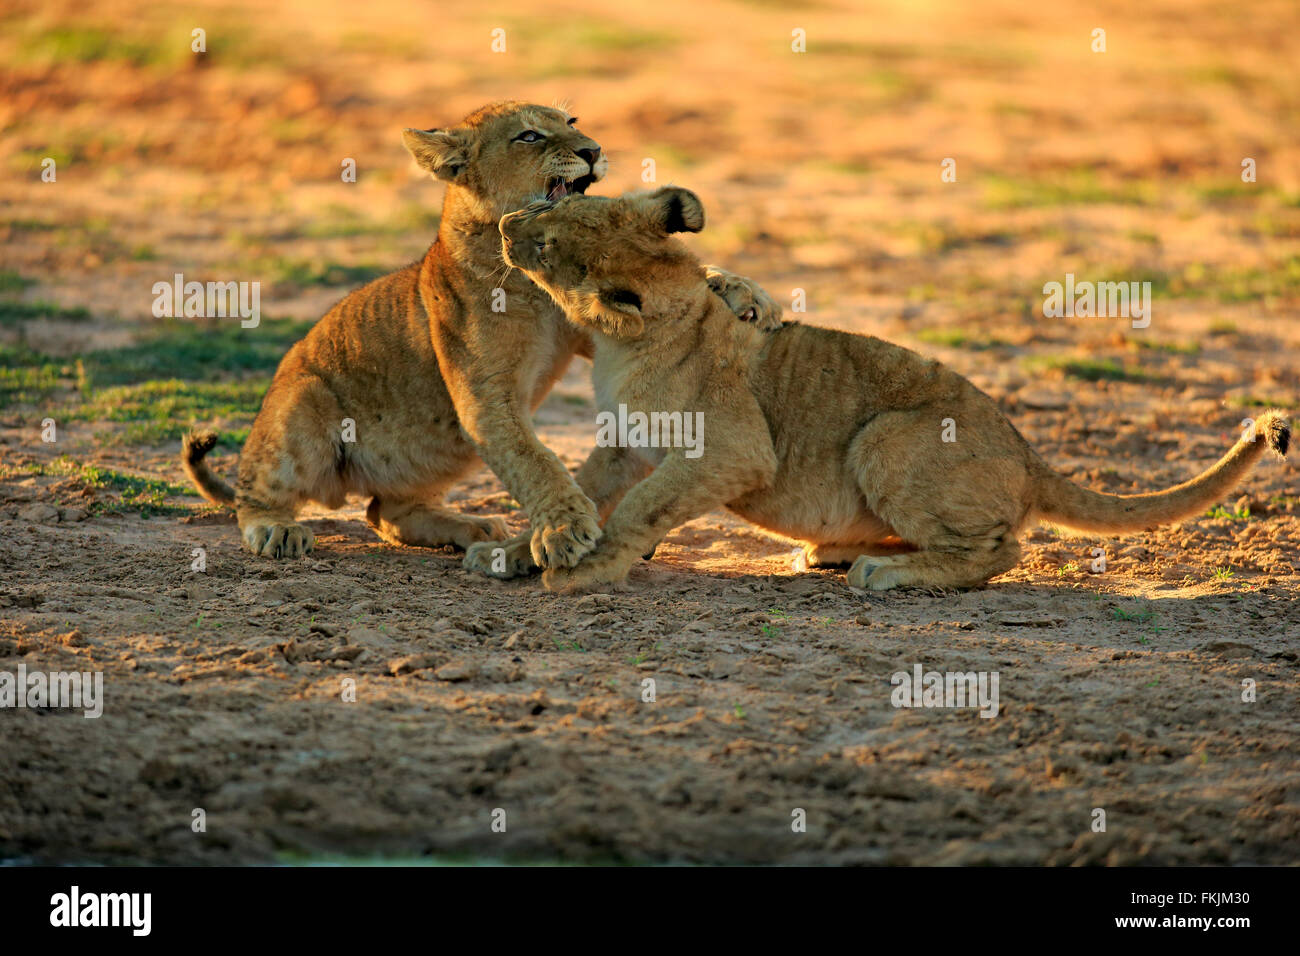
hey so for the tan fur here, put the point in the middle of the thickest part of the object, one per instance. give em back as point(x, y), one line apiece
point(430, 376)
point(824, 436)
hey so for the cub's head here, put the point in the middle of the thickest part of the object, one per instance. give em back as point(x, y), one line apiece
point(506, 154)
point(609, 263)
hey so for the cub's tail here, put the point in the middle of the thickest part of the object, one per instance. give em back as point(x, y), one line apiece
point(1060, 501)
point(194, 448)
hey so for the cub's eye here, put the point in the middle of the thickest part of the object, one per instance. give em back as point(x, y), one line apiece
point(573, 121)
point(541, 245)
point(529, 136)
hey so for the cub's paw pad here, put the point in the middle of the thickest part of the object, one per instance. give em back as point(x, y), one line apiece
point(500, 559)
point(279, 540)
point(562, 538)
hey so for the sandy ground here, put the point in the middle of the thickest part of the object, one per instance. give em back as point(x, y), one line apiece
point(1121, 690)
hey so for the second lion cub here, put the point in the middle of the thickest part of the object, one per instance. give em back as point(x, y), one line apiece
point(825, 436)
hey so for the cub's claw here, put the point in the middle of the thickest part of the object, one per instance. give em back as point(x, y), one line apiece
point(278, 540)
point(745, 297)
point(562, 538)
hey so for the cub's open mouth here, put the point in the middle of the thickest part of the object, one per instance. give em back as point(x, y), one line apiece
point(559, 188)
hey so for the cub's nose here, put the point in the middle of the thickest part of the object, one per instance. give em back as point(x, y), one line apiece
point(590, 155)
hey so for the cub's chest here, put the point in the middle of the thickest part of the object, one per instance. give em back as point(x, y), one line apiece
point(643, 412)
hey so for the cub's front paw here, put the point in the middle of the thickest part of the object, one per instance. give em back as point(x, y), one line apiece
point(745, 297)
point(595, 572)
point(270, 540)
point(501, 559)
point(561, 537)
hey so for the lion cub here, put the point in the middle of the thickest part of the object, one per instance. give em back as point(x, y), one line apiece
point(820, 435)
point(409, 382)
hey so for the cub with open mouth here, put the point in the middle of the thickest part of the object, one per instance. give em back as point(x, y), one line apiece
point(864, 450)
point(400, 390)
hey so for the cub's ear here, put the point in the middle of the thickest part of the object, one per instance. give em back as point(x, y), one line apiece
point(442, 152)
point(615, 311)
point(673, 209)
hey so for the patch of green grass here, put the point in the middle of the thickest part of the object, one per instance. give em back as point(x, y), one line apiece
point(194, 351)
point(303, 272)
point(1274, 224)
point(11, 283)
point(1255, 401)
point(549, 47)
point(28, 378)
point(669, 155)
point(1144, 616)
point(849, 167)
point(1237, 514)
point(1069, 187)
point(1224, 574)
point(161, 384)
point(1228, 190)
point(145, 495)
point(887, 85)
point(31, 225)
point(133, 42)
point(162, 411)
point(1172, 348)
point(955, 338)
point(944, 237)
point(1220, 73)
point(1223, 327)
point(1088, 370)
point(609, 37)
point(12, 312)
point(339, 222)
point(83, 43)
point(1226, 285)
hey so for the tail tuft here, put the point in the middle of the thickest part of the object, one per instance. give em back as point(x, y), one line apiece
point(194, 448)
point(196, 445)
point(1276, 430)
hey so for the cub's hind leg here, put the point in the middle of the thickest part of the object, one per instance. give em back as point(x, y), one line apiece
point(959, 505)
point(425, 524)
point(966, 567)
point(833, 555)
point(290, 457)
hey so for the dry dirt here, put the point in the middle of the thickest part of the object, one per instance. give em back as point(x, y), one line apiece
point(1120, 690)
